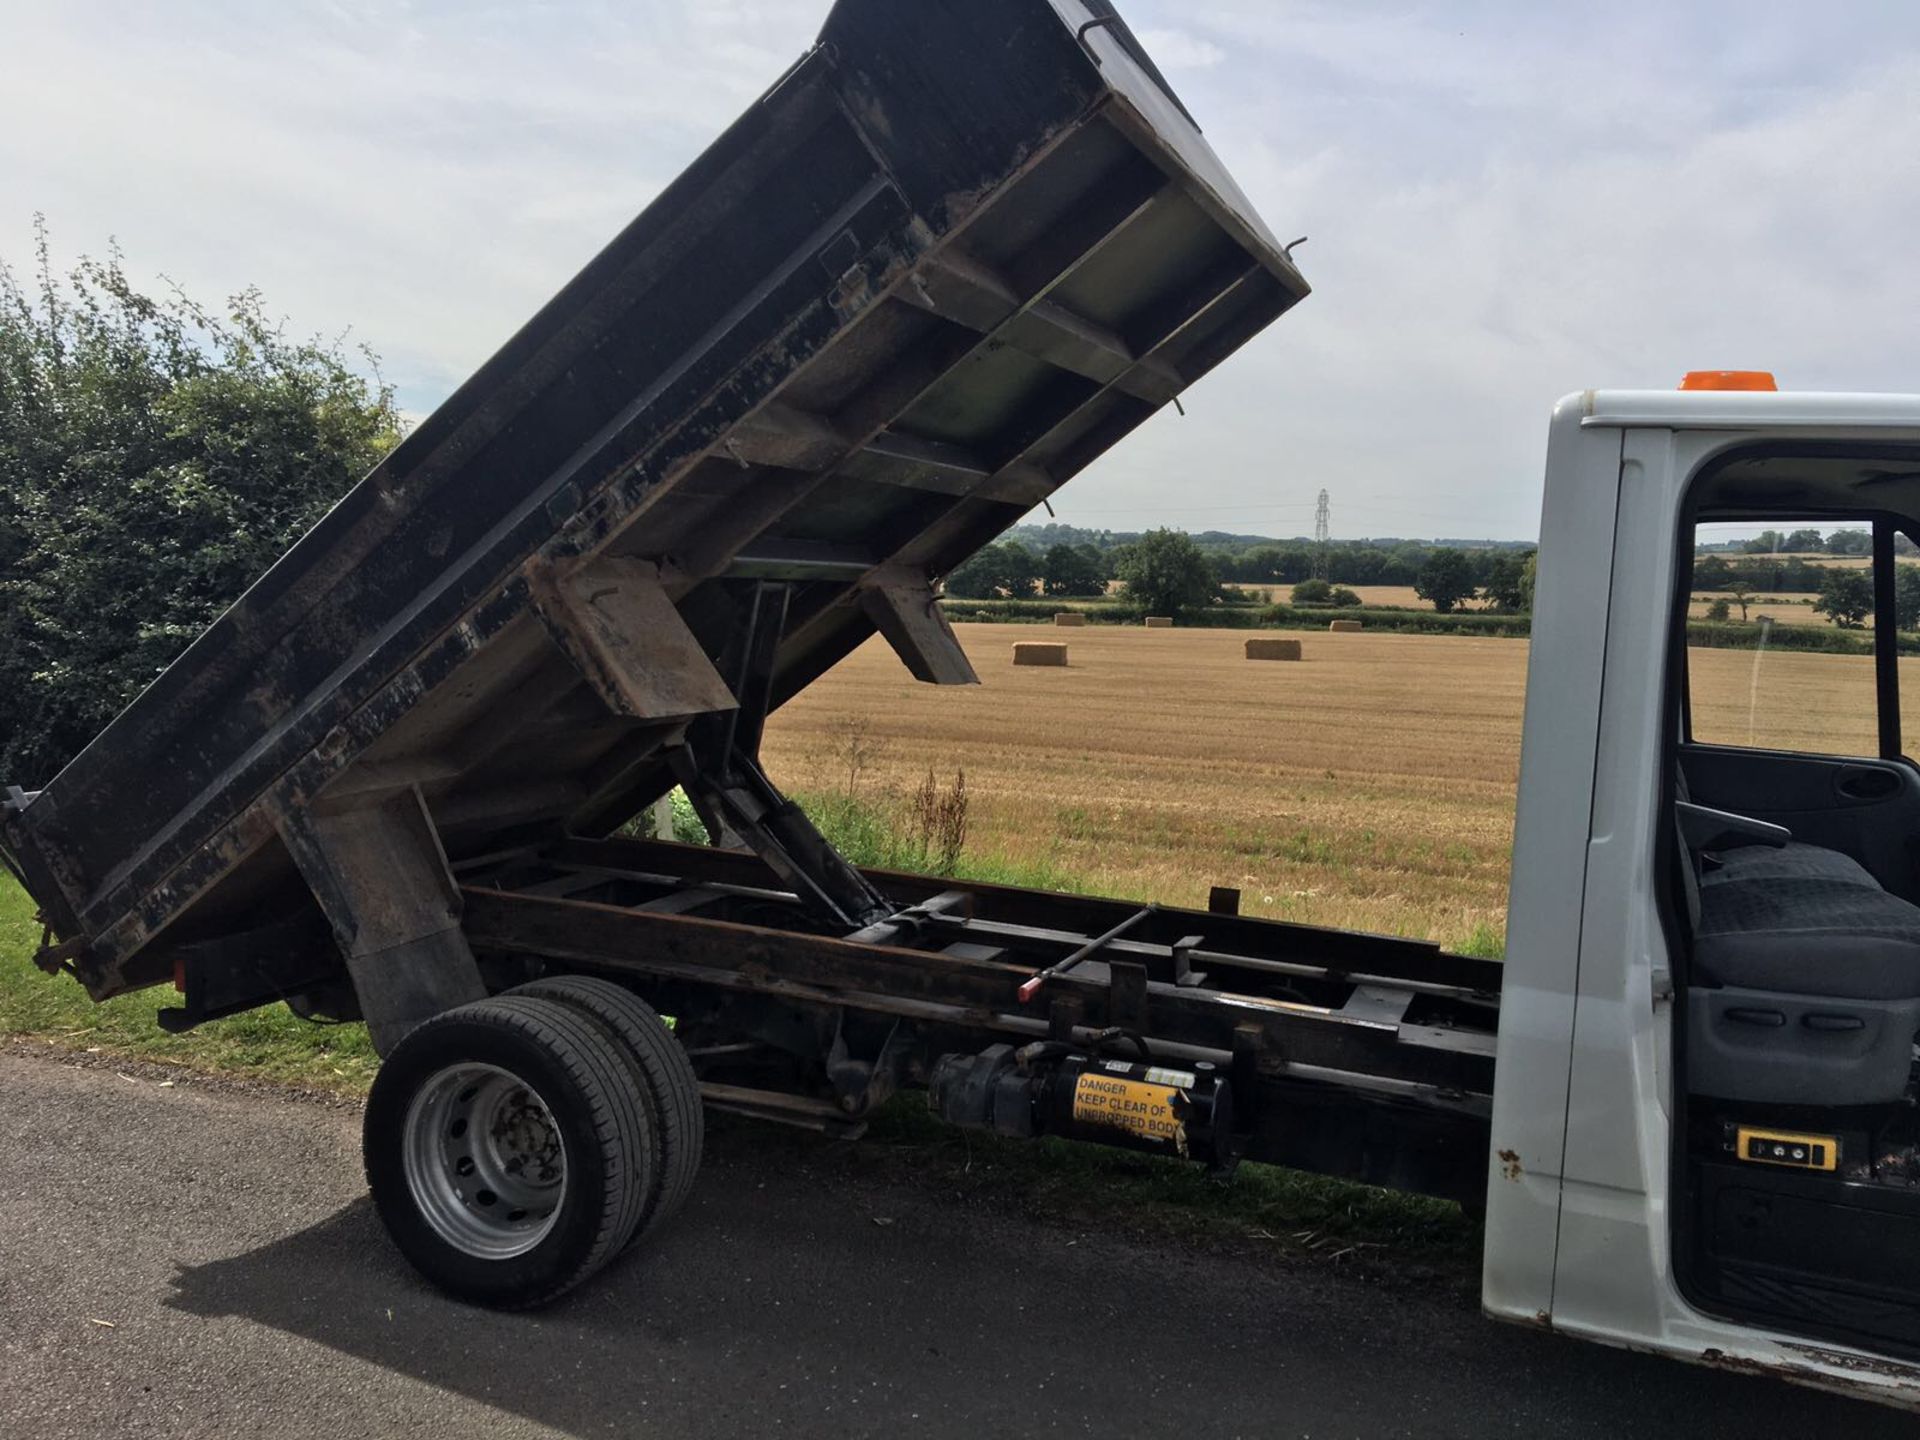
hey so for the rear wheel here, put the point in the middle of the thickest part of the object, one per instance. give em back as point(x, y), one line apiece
point(509, 1151)
point(663, 1074)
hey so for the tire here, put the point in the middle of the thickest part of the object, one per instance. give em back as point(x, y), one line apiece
point(509, 1152)
point(663, 1073)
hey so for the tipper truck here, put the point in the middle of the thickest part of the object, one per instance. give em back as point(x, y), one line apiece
point(955, 254)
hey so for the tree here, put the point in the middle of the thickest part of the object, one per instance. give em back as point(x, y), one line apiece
point(1850, 542)
point(1906, 597)
point(1846, 597)
point(1073, 570)
point(1718, 610)
point(1741, 596)
point(1804, 542)
point(1446, 579)
point(1506, 585)
point(1165, 573)
point(1019, 570)
point(975, 577)
point(1710, 572)
point(1295, 563)
point(1767, 542)
point(155, 457)
point(1007, 569)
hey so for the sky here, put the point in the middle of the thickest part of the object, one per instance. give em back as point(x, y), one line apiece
point(1504, 202)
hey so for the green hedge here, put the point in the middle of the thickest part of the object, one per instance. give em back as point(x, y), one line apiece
point(1715, 635)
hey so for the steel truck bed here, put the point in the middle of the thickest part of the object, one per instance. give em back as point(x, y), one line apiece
point(961, 249)
point(954, 255)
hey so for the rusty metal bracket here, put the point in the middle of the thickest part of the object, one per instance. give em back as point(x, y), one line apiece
point(61, 958)
point(1127, 996)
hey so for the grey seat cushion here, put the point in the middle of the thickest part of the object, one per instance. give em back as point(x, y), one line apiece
point(1794, 861)
point(1805, 921)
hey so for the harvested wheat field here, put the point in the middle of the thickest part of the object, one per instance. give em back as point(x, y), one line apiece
point(1788, 700)
point(1372, 788)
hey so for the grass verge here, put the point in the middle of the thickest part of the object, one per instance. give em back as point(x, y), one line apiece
point(266, 1044)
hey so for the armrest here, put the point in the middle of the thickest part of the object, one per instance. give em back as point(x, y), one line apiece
point(1704, 828)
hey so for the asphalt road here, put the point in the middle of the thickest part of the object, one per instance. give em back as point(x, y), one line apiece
point(199, 1259)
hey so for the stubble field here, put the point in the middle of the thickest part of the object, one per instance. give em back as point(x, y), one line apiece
point(1371, 785)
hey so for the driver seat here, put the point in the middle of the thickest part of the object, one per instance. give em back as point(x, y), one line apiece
point(1806, 975)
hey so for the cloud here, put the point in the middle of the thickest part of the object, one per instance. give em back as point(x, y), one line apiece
point(428, 174)
point(1500, 218)
point(1503, 207)
point(1181, 50)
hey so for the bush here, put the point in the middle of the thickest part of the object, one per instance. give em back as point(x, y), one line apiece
point(687, 828)
point(155, 458)
point(1719, 610)
point(1319, 592)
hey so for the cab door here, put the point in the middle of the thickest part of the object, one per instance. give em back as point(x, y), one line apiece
point(1797, 967)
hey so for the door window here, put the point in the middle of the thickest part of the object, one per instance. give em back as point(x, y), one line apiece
point(1780, 637)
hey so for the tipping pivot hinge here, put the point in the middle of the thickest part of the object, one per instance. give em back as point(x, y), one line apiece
point(717, 765)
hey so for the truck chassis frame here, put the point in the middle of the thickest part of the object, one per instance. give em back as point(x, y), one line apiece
point(1363, 1056)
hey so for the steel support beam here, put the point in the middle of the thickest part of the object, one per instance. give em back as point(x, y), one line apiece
point(903, 607)
point(381, 879)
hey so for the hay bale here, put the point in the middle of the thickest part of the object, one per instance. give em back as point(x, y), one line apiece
point(1159, 622)
point(1069, 619)
point(1273, 650)
point(1039, 652)
point(1344, 627)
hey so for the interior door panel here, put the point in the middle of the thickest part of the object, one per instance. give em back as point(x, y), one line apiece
point(1869, 809)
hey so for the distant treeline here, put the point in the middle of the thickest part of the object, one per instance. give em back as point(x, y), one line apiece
point(1039, 537)
point(1065, 562)
point(1810, 541)
point(1265, 560)
point(1758, 572)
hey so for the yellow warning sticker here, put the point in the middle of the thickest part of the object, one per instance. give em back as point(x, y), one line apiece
point(1130, 1105)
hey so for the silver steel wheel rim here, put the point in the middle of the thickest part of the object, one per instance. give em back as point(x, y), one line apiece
point(484, 1160)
